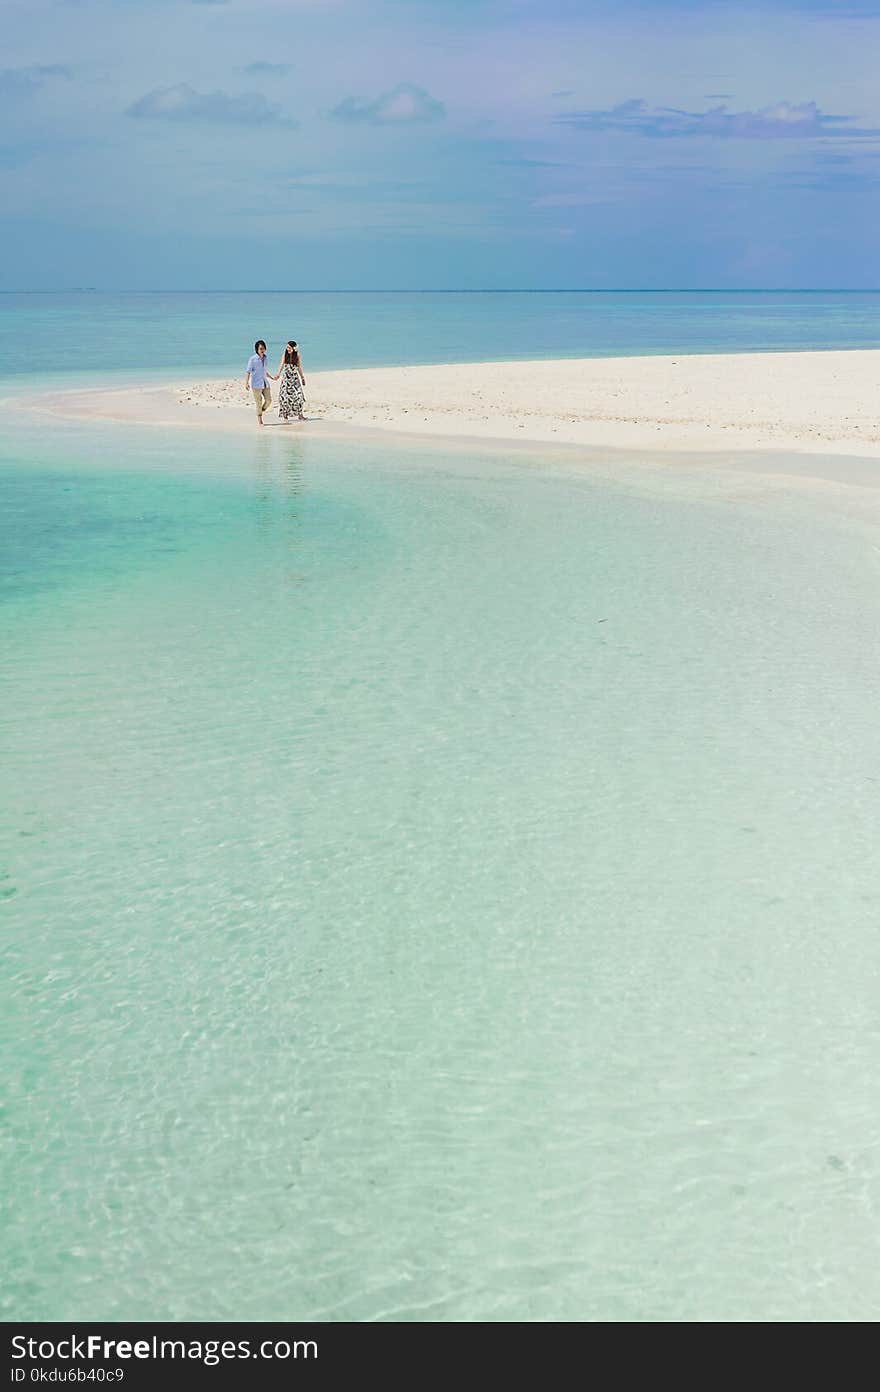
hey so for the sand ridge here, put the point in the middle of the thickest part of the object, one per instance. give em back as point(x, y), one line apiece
point(788, 400)
point(826, 402)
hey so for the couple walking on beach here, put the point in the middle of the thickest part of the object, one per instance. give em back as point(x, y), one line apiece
point(291, 397)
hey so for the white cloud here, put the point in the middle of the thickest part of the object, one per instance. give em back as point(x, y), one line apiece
point(405, 104)
point(781, 120)
point(184, 103)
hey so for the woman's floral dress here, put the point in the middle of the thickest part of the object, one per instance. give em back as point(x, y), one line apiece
point(291, 397)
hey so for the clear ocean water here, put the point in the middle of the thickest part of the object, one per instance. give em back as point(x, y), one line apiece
point(434, 887)
point(138, 336)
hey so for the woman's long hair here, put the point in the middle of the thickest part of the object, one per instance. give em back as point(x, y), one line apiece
point(291, 353)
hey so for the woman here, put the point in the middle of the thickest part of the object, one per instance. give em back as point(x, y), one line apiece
point(291, 397)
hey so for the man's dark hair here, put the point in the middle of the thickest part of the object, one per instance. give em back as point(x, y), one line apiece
point(258, 345)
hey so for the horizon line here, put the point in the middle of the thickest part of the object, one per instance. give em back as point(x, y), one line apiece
point(484, 290)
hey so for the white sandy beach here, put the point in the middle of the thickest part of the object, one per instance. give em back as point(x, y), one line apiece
point(817, 402)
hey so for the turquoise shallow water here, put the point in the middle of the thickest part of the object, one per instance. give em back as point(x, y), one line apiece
point(433, 888)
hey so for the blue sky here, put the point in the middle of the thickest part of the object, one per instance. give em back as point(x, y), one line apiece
point(370, 144)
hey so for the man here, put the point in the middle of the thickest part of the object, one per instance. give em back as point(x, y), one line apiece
point(257, 379)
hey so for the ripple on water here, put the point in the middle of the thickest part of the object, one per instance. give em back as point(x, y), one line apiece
point(438, 897)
